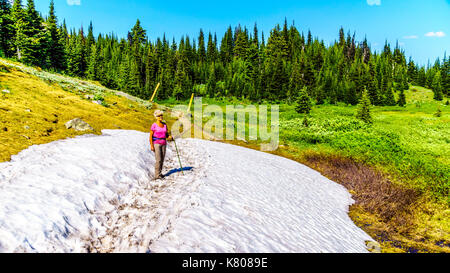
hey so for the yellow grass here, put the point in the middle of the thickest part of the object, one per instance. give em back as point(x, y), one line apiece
point(34, 112)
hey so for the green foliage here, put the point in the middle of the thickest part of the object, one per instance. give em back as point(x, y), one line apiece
point(241, 65)
point(437, 86)
point(438, 113)
point(306, 122)
point(303, 102)
point(363, 111)
point(402, 99)
point(408, 143)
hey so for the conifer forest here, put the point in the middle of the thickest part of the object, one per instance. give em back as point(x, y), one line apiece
point(244, 63)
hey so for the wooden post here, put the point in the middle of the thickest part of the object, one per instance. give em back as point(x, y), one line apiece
point(190, 103)
point(154, 93)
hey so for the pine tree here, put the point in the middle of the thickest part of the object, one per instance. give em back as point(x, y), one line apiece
point(93, 72)
point(211, 53)
point(412, 71)
point(34, 50)
point(445, 75)
point(211, 85)
point(421, 77)
point(6, 29)
point(295, 82)
point(20, 27)
point(90, 40)
point(55, 51)
point(401, 99)
point(241, 47)
point(137, 35)
point(363, 110)
point(389, 96)
point(437, 86)
point(201, 47)
point(303, 102)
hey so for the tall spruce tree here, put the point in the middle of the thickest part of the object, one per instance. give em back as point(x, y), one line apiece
point(401, 99)
point(6, 29)
point(437, 86)
point(201, 47)
point(36, 42)
point(20, 38)
point(55, 51)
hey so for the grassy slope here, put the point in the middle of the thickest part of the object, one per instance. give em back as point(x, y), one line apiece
point(35, 111)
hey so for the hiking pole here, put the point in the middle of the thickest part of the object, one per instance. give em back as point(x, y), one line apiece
point(178, 154)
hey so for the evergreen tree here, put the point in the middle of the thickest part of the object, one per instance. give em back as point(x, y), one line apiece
point(241, 45)
point(34, 48)
point(389, 96)
point(137, 35)
point(201, 47)
point(303, 102)
point(363, 110)
point(90, 40)
point(445, 75)
point(401, 99)
point(421, 77)
point(211, 86)
point(93, 70)
point(19, 40)
point(295, 82)
point(6, 29)
point(412, 71)
point(55, 51)
point(437, 86)
point(211, 54)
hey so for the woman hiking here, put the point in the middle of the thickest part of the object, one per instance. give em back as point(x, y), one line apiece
point(159, 134)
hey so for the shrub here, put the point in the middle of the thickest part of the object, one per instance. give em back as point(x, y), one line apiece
point(438, 113)
point(303, 102)
point(364, 108)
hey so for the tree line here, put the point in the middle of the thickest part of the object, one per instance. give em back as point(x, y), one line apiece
point(243, 64)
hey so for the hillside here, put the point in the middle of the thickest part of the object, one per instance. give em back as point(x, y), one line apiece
point(35, 105)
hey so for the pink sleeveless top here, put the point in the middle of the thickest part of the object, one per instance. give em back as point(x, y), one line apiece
point(159, 132)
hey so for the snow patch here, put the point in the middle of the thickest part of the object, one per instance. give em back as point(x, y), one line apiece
point(96, 193)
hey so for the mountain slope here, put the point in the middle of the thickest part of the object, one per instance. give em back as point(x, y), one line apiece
point(35, 105)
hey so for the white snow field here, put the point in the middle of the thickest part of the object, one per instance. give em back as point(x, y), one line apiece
point(97, 194)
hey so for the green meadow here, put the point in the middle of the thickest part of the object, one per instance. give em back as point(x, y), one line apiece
point(411, 142)
point(400, 161)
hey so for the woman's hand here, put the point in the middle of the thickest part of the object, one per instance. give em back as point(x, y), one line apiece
point(153, 148)
point(170, 138)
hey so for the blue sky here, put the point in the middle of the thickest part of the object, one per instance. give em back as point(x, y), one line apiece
point(421, 27)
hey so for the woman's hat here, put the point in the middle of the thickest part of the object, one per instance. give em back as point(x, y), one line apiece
point(158, 113)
